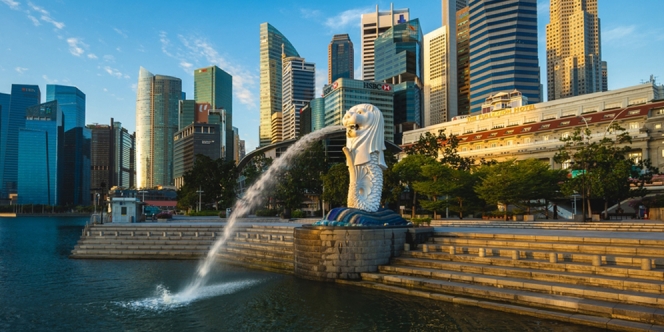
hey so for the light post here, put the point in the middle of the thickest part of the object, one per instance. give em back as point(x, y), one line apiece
point(199, 191)
point(143, 200)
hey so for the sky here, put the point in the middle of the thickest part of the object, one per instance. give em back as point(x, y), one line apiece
point(99, 46)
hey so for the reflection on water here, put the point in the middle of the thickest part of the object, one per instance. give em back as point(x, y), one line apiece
point(41, 289)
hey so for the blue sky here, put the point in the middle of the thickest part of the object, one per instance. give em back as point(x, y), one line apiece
point(99, 46)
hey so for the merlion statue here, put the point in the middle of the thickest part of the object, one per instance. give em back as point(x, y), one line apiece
point(365, 142)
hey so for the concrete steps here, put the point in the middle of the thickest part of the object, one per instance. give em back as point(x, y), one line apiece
point(623, 226)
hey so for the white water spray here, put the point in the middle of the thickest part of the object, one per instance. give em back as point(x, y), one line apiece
point(251, 199)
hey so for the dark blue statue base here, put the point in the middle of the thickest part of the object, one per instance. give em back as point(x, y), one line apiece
point(344, 216)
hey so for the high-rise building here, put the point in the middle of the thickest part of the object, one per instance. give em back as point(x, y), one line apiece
point(22, 97)
point(503, 49)
point(111, 157)
point(297, 90)
point(345, 93)
point(243, 151)
point(574, 63)
point(125, 152)
point(463, 61)
point(215, 86)
point(372, 25)
point(76, 187)
point(305, 120)
point(340, 58)
point(317, 113)
point(195, 139)
point(436, 89)
point(277, 127)
point(236, 145)
point(40, 156)
point(398, 60)
point(157, 101)
point(5, 99)
point(271, 41)
point(187, 111)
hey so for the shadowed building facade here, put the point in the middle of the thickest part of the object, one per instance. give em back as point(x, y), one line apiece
point(340, 60)
point(503, 49)
point(373, 25)
point(215, 86)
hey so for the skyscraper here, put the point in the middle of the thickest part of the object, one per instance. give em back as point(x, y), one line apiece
point(574, 63)
point(4, 128)
point(298, 89)
point(22, 97)
point(111, 157)
point(215, 86)
point(436, 69)
point(463, 61)
point(398, 60)
point(503, 49)
point(125, 148)
point(271, 41)
point(76, 186)
point(40, 157)
point(340, 58)
point(372, 25)
point(157, 100)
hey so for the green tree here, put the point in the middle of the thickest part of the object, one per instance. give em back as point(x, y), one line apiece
point(525, 184)
point(302, 177)
point(255, 168)
point(391, 183)
point(335, 181)
point(433, 184)
point(602, 169)
point(217, 179)
point(409, 171)
point(442, 147)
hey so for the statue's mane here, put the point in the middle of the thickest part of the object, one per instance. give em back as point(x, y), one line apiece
point(371, 139)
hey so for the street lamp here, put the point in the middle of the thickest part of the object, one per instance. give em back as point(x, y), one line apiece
point(199, 191)
point(143, 199)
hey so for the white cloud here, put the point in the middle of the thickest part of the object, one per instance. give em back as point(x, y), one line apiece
point(109, 58)
point(105, 90)
point(618, 32)
point(20, 70)
point(197, 51)
point(309, 13)
point(48, 80)
point(115, 73)
point(120, 32)
point(37, 8)
point(11, 3)
point(321, 80)
point(58, 25)
point(34, 20)
point(347, 18)
point(76, 46)
point(92, 56)
point(134, 86)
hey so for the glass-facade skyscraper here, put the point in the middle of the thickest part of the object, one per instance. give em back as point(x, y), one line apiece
point(215, 86)
point(503, 49)
point(398, 61)
point(76, 185)
point(297, 90)
point(340, 61)
point(373, 25)
point(40, 157)
point(22, 97)
point(317, 113)
point(271, 44)
point(157, 101)
point(4, 128)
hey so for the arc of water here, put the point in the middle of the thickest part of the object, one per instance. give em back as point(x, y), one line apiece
point(252, 198)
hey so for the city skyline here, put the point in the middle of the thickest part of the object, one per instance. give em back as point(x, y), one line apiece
point(100, 49)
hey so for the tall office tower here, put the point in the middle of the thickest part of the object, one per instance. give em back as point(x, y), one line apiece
point(125, 147)
point(573, 53)
point(76, 187)
point(4, 128)
point(277, 127)
point(193, 140)
point(236, 145)
point(22, 97)
point(157, 100)
point(102, 159)
point(40, 155)
point(463, 61)
point(449, 14)
point(317, 113)
point(243, 151)
point(398, 53)
point(437, 92)
point(305, 120)
point(372, 25)
point(186, 112)
point(214, 86)
point(605, 76)
point(297, 90)
point(270, 82)
point(340, 58)
point(503, 49)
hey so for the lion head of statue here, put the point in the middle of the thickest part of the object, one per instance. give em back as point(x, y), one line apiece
point(365, 133)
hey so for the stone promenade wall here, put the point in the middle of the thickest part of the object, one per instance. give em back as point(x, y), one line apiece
point(330, 253)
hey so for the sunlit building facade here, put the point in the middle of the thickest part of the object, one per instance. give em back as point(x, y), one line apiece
point(298, 89)
point(373, 25)
point(157, 102)
point(271, 43)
